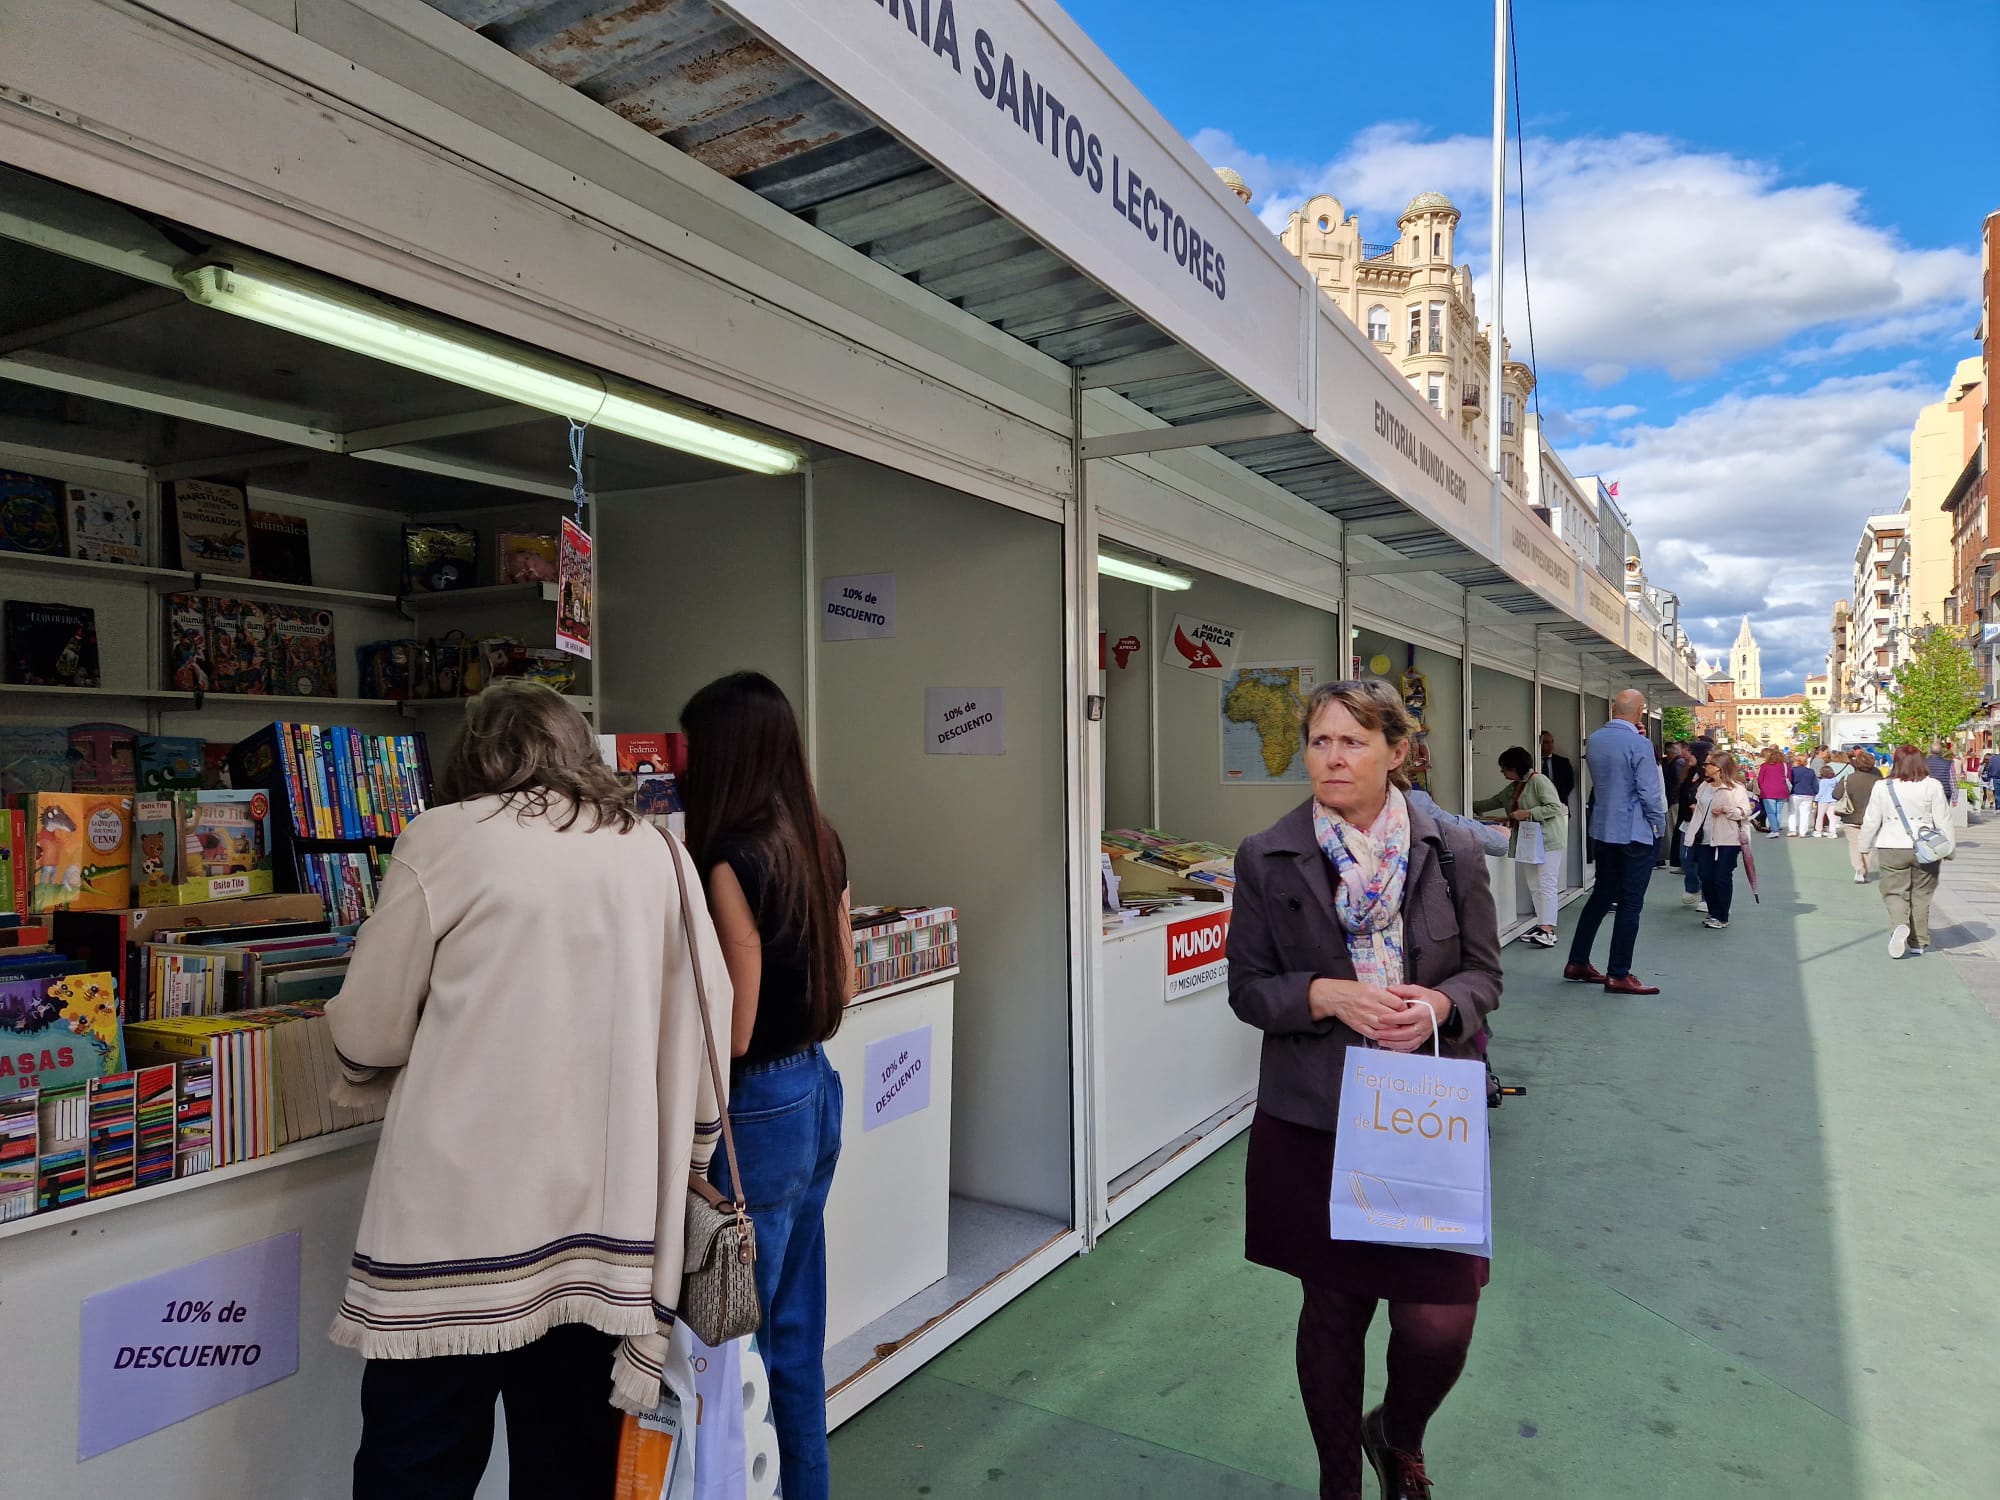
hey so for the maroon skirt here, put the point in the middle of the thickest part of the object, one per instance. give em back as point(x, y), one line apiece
point(1288, 1183)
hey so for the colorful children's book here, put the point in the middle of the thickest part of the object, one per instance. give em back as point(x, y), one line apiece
point(187, 642)
point(202, 846)
point(526, 557)
point(64, 1127)
point(239, 646)
point(168, 762)
point(31, 518)
point(303, 660)
point(194, 1117)
point(105, 527)
point(51, 645)
point(33, 759)
point(103, 758)
point(83, 850)
point(211, 529)
point(58, 1033)
point(279, 550)
point(437, 559)
point(111, 1150)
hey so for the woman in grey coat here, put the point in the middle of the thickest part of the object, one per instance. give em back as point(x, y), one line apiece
point(1359, 921)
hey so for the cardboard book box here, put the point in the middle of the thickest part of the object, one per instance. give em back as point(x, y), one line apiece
point(193, 846)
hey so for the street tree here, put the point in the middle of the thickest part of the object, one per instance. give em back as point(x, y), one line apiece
point(1936, 689)
point(1677, 723)
point(1806, 733)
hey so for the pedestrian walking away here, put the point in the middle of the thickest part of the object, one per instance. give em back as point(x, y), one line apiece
point(1908, 819)
point(1401, 947)
point(1990, 774)
point(1824, 797)
point(1628, 814)
point(1538, 833)
point(1774, 789)
point(1938, 766)
point(1714, 836)
point(1804, 792)
point(1855, 791)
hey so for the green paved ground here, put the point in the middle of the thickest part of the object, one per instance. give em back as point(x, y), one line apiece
point(1745, 1238)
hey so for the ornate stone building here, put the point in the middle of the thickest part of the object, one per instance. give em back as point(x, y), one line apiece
point(1414, 301)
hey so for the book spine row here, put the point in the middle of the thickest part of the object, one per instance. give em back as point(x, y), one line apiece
point(339, 783)
point(905, 949)
point(348, 881)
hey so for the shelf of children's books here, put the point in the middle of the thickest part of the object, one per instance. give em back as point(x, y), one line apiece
point(582, 703)
point(209, 585)
point(79, 567)
point(499, 593)
point(256, 700)
point(130, 695)
point(284, 1156)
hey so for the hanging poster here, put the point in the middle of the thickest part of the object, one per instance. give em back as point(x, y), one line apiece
point(157, 1351)
point(1201, 645)
point(860, 607)
point(1263, 720)
point(575, 580)
point(965, 721)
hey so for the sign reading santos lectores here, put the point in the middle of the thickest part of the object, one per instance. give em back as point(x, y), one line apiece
point(1011, 99)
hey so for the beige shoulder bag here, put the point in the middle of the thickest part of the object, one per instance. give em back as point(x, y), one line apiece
point(719, 1263)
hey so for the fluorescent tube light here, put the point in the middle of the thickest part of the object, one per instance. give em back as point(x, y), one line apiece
point(283, 298)
point(1153, 576)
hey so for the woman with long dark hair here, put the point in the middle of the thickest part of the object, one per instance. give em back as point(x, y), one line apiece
point(777, 887)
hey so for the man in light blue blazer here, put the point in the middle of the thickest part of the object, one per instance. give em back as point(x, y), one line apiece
point(1628, 815)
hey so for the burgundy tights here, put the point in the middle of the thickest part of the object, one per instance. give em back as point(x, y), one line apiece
point(1427, 1347)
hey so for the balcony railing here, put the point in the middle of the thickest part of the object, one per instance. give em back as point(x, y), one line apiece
point(1378, 252)
point(1437, 341)
point(1416, 343)
point(1506, 427)
point(1470, 400)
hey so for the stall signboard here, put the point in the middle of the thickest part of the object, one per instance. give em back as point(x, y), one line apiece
point(1374, 421)
point(1014, 101)
point(1604, 608)
point(965, 721)
point(155, 1352)
point(1197, 954)
point(860, 607)
point(898, 1077)
point(1532, 553)
point(1200, 645)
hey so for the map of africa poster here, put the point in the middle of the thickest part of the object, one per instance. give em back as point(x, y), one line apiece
point(1263, 707)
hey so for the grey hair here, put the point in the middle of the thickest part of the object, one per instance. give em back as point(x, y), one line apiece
point(527, 744)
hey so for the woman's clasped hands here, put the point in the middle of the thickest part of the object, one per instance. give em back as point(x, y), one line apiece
point(1400, 1017)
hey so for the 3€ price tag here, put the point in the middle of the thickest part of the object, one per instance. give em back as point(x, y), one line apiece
point(157, 1351)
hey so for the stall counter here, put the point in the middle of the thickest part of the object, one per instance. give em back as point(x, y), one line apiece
point(1172, 1057)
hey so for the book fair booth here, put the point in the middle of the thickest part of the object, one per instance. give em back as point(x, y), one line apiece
point(357, 354)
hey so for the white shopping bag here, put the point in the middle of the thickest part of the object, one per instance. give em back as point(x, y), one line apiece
point(1410, 1160)
point(1528, 849)
point(711, 1437)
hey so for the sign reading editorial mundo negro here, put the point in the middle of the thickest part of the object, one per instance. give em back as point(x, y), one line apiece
point(1014, 101)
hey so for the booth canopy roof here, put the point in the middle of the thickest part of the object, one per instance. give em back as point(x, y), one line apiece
point(693, 75)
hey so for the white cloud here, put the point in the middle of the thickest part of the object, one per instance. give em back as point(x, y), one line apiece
point(1754, 503)
point(1646, 254)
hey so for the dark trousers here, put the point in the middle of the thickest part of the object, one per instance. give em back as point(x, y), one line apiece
point(1623, 871)
point(427, 1424)
point(1718, 876)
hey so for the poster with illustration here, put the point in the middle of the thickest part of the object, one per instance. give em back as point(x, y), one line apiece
point(575, 584)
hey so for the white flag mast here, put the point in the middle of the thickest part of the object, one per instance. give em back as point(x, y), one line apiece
point(1497, 361)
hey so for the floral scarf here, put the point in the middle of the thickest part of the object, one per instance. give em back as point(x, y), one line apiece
point(1372, 864)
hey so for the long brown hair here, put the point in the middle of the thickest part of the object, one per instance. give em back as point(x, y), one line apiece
point(748, 783)
point(1910, 764)
point(526, 744)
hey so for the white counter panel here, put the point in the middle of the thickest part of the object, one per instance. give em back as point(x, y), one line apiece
point(888, 1220)
point(1164, 1066)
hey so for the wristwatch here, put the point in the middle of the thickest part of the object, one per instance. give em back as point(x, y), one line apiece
point(1453, 1025)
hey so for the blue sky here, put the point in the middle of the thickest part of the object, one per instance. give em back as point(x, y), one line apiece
point(1753, 236)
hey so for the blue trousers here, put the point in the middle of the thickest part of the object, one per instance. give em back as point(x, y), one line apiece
point(1623, 872)
point(786, 1119)
point(1718, 876)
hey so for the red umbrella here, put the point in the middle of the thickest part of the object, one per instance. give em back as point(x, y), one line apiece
point(1750, 866)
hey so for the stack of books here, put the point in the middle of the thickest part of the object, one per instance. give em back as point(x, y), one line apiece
point(895, 943)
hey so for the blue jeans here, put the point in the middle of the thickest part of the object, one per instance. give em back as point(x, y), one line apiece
point(1623, 873)
point(786, 1119)
point(1774, 814)
point(1718, 876)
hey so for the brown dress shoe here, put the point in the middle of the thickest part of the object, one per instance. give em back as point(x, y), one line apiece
point(1585, 974)
point(1401, 1473)
point(1629, 985)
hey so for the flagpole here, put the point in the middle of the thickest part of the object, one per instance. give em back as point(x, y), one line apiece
point(1497, 359)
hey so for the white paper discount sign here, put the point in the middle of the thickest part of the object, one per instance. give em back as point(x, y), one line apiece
point(157, 1351)
point(1197, 954)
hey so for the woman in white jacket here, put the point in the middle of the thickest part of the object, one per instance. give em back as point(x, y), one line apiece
point(1904, 804)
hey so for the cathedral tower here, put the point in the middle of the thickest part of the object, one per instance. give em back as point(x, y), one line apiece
point(1746, 663)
